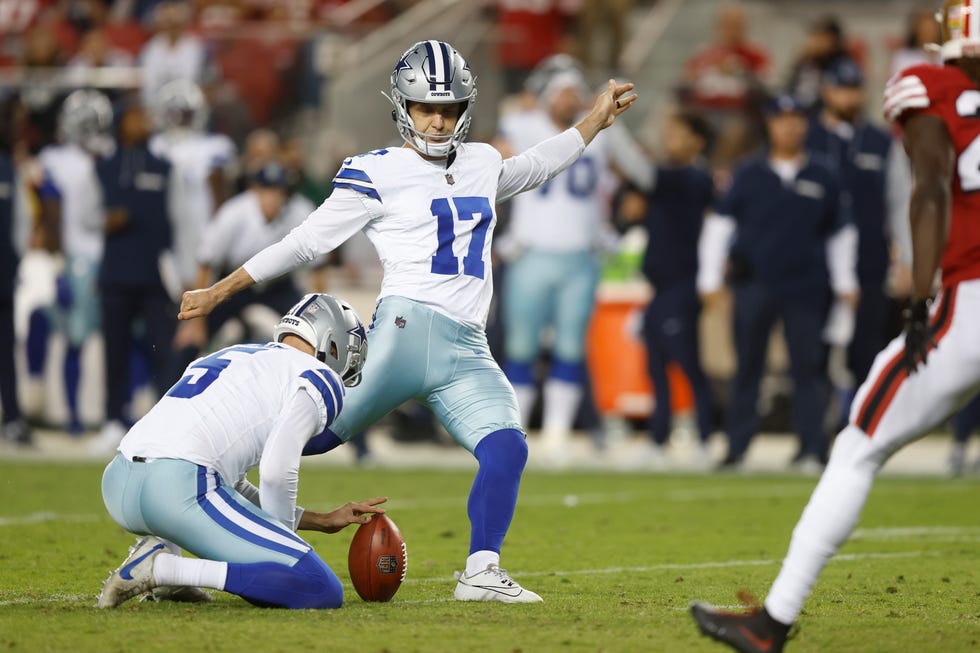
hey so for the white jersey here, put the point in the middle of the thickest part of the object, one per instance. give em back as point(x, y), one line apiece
point(164, 62)
point(194, 158)
point(229, 407)
point(565, 214)
point(432, 225)
point(239, 230)
point(72, 172)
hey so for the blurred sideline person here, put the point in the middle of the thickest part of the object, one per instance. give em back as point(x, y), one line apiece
point(672, 213)
point(787, 241)
point(874, 174)
point(965, 423)
point(137, 233)
point(930, 370)
point(179, 477)
point(14, 427)
point(244, 225)
point(174, 52)
point(199, 185)
point(551, 247)
point(428, 207)
point(73, 199)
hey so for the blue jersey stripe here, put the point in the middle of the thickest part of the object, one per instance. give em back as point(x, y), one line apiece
point(370, 192)
point(330, 392)
point(211, 511)
point(353, 173)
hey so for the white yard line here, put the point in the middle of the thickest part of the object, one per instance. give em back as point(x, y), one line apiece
point(721, 564)
point(41, 517)
point(54, 598)
point(14, 599)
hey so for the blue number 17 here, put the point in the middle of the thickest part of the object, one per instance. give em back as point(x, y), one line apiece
point(468, 208)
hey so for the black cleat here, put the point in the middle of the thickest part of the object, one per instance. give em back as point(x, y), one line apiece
point(750, 632)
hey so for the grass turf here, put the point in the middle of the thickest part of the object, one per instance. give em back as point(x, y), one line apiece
point(616, 557)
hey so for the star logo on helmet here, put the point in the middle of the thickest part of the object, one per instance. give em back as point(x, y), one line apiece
point(402, 65)
point(358, 330)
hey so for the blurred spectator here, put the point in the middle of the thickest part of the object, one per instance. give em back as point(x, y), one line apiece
point(14, 429)
point(596, 15)
point(784, 221)
point(77, 215)
point(95, 52)
point(923, 31)
point(120, 31)
point(672, 214)
point(724, 82)
point(528, 32)
point(261, 147)
point(874, 174)
point(40, 57)
point(200, 181)
point(243, 226)
point(823, 46)
point(173, 53)
point(965, 423)
point(551, 245)
point(137, 232)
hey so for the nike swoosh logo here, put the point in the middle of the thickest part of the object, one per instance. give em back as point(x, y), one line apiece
point(758, 642)
point(125, 574)
point(498, 590)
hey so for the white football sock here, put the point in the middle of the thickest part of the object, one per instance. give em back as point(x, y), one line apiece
point(478, 561)
point(526, 394)
point(169, 569)
point(827, 522)
point(561, 400)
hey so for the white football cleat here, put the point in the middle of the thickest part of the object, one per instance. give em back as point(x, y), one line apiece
point(134, 576)
point(178, 593)
point(492, 584)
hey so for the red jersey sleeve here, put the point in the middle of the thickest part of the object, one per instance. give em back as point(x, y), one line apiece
point(919, 89)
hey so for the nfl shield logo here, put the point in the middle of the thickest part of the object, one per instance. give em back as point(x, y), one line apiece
point(387, 564)
point(449, 179)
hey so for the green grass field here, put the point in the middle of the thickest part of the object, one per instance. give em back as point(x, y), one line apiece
point(616, 557)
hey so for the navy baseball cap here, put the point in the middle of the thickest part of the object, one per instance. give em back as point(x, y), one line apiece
point(271, 175)
point(844, 72)
point(784, 103)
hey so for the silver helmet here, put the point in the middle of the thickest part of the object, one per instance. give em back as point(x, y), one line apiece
point(86, 120)
point(180, 104)
point(333, 329)
point(538, 80)
point(432, 72)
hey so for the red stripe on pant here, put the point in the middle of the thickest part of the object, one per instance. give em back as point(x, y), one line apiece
point(894, 373)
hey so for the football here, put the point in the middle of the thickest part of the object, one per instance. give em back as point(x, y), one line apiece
point(378, 559)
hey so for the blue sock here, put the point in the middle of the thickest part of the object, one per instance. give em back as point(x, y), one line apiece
point(73, 376)
point(502, 456)
point(37, 342)
point(323, 442)
point(310, 583)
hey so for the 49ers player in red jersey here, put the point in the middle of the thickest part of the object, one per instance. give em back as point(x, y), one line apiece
point(934, 366)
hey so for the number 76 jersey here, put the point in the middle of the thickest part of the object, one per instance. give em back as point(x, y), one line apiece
point(949, 94)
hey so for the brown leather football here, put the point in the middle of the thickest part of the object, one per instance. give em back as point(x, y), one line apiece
point(377, 560)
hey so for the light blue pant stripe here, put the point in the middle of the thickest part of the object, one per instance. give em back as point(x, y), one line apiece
point(166, 498)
